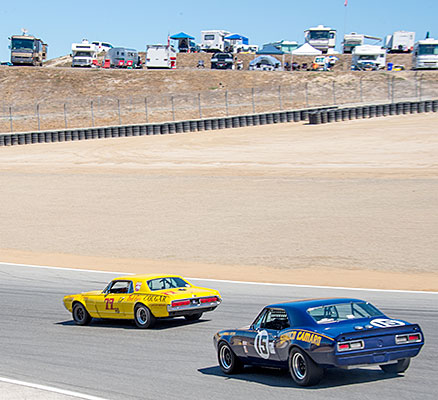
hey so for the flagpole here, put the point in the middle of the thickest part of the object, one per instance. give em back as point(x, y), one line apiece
point(345, 18)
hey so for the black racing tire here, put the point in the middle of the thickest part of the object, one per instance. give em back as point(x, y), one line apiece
point(397, 368)
point(143, 317)
point(228, 361)
point(193, 317)
point(80, 314)
point(304, 371)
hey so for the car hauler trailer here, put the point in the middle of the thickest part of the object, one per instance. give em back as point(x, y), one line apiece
point(400, 42)
point(214, 41)
point(84, 54)
point(368, 57)
point(321, 37)
point(425, 54)
point(160, 56)
point(27, 50)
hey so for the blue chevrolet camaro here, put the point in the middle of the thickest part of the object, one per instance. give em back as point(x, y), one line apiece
point(308, 336)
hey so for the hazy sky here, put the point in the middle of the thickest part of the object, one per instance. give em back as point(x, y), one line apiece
point(137, 23)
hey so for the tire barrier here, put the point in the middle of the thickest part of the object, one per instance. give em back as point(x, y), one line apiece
point(315, 116)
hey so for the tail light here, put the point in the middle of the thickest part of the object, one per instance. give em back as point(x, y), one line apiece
point(409, 338)
point(208, 299)
point(178, 303)
point(352, 345)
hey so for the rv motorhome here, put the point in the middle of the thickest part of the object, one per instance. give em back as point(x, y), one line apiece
point(425, 54)
point(368, 57)
point(353, 39)
point(121, 57)
point(321, 37)
point(400, 42)
point(160, 56)
point(214, 41)
point(27, 50)
point(84, 54)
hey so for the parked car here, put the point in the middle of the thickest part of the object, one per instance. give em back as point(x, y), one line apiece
point(222, 61)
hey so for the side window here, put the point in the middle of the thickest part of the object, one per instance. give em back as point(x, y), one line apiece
point(276, 319)
point(120, 287)
point(258, 322)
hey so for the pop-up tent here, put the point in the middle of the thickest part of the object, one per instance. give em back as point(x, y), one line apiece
point(184, 41)
point(265, 63)
point(236, 38)
point(306, 50)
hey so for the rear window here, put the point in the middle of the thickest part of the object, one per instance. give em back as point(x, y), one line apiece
point(167, 283)
point(341, 312)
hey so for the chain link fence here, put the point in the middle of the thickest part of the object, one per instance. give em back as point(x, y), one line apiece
point(146, 108)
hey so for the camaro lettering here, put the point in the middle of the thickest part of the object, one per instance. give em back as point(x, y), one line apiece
point(307, 337)
point(386, 323)
point(261, 344)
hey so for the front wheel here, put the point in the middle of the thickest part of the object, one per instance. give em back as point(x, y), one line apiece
point(304, 371)
point(193, 317)
point(80, 314)
point(143, 317)
point(397, 368)
point(228, 361)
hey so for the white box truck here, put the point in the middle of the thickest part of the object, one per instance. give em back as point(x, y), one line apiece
point(368, 58)
point(400, 42)
point(84, 54)
point(160, 56)
point(214, 41)
point(321, 37)
point(425, 54)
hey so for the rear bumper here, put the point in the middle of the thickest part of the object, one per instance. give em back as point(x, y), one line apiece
point(198, 310)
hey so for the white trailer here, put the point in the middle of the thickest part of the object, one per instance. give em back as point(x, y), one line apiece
point(400, 42)
point(425, 54)
point(160, 56)
point(368, 57)
point(214, 41)
point(353, 39)
point(321, 37)
point(84, 54)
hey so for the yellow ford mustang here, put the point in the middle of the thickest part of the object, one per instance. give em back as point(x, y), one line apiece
point(143, 298)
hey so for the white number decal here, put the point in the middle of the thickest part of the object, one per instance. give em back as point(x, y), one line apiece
point(386, 323)
point(261, 344)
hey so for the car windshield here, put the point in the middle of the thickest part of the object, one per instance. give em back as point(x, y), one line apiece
point(428, 49)
point(18, 44)
point(341, 312)
point(167, 283)
point(315, 35)
point(368, 57)
point(222, 56)
point(83, 54)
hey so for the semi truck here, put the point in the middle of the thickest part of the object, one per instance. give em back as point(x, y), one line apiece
point(27, 50)
point(214, 41)
point(400, 42)
point(321, 37)
point(425, 54)
point(160, 56)
point(84, 54)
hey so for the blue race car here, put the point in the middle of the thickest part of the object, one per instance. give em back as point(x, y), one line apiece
point(307, 336)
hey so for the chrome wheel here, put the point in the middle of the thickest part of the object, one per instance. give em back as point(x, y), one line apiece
point(142, 316)
point(299, 366)
point(225, 357)
point(80, 314)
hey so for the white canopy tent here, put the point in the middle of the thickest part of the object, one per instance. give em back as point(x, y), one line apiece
point(306, 50)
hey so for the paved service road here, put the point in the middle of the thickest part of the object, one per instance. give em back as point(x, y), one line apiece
point(40, 344)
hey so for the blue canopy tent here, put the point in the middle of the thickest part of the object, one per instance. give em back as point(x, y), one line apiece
point(185, 44)
point(237, 38)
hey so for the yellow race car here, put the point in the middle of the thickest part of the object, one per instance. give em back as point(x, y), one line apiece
point(143, 298)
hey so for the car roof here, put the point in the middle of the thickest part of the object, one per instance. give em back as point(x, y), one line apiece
point(310, 303)
point(142, 277)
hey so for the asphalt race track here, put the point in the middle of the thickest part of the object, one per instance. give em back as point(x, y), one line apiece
point(176, 359)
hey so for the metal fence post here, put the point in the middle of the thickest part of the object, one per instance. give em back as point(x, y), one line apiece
point(118, 108)
point(226, 102)
point(199, 105)
point(361, 89)
point(420, 87)
point(146, 109)
point(334, 92)
point(389, 88)
point(38, 115)
point(306, 90)
point(253, 100)
point(10, 119)
point(392, 91)
point(65, 115)
point(173, 108)
point(92, 113)
point(279, 98)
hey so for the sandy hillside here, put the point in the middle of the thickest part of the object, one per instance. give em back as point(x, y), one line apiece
point(352, 203)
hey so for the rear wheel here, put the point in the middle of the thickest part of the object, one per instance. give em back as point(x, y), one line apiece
point(397, 368)
point(228, 361)
point(80, 314)
point(143, 317)
point(304, 371)
point(193, 317)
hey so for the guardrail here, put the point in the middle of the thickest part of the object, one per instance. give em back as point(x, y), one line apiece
point(318, 115)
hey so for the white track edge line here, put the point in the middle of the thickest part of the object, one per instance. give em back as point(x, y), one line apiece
point(51, 389)
point(231, 281)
